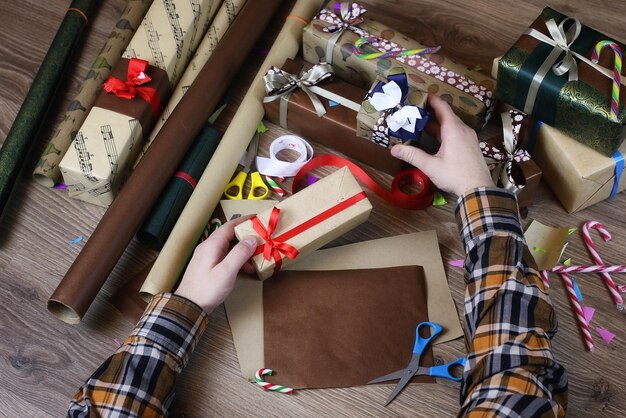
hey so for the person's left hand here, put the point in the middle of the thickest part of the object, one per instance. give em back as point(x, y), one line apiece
point(211, 273)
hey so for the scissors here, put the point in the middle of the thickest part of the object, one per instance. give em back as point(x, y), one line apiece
point(258, 189)
point(414, 368)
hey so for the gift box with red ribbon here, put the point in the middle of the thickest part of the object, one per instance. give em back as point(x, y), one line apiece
point(125, 111)
point(511, 165)
point(306, 221)
point(361, 49)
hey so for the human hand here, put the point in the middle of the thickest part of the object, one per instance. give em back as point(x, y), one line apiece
point(211, 273)
point(459, 165)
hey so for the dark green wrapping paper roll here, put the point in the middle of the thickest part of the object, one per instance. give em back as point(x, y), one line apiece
point(165, 213)
point(33, 112)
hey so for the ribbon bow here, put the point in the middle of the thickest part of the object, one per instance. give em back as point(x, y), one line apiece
point(271, 247)
point(511, 125)
point(344, 16)
point(129, 89)
point(398, 120)
point(280, 84)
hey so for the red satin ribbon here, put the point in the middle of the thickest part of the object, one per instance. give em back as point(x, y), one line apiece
point(395, 196)
point(274, 247)
point(129, 89)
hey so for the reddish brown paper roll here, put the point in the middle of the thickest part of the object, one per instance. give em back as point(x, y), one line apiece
point(81, 284)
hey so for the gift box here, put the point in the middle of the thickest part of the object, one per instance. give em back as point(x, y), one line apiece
point(577, 102)
point(333, 34)
point(304, 222)
point(511, 165)
point(578, 176)
point(294, 108)
point(392, 112)
point(98, 161)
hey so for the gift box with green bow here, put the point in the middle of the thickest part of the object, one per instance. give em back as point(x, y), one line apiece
point(550, 73)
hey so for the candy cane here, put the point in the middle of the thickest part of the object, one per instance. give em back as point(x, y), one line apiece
point(617, 297)
point(617, 72)
point(270, 386)
point(274, 185)
point(589, 269)
point(544, 276)
point(391, 54)
point(578, 310)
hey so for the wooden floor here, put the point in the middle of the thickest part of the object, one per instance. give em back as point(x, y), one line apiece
point(43, 361)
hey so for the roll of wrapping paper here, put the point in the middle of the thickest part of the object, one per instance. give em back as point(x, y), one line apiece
point(33, 112)
point(183, 238)
point(162, 218)
point(47, 171)
point(223, 19)
point(81, 284)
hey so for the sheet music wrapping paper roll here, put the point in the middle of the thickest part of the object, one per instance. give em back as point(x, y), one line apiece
point(169, 34)
point(47, 171)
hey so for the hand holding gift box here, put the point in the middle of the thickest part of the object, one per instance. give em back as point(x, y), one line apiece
point(548, 74)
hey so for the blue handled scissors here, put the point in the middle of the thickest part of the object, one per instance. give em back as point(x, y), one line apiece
point(414, 369)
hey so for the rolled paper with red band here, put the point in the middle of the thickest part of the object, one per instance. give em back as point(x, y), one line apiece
point(395, 196)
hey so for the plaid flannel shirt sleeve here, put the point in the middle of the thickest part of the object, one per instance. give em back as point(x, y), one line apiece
point(511, 370)
point(138, 380)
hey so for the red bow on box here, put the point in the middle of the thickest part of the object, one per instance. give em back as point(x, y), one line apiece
point(273, 248)
point(129, 89)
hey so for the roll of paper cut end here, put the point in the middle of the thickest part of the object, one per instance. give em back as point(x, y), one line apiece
point(64, 312)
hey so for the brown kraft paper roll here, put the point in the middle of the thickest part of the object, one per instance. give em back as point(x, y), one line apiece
point(81, 284)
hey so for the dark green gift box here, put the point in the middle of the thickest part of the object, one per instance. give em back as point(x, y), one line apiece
point(581, 108)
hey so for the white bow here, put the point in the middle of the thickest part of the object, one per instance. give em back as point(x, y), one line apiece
point(405, 117)
point(390, 98)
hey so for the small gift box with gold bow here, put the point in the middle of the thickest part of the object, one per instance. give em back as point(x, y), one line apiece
point(553, 73)
point(306, 221)
point(112, 135)
point(510, 164)
point(361, 49)
point(308, 101)
point(393, 113)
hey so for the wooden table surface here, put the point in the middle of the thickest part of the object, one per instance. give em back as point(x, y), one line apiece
point(43, 361)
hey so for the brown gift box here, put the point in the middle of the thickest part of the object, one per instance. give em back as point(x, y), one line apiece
point(324, 195)
point(337, 128)
point(472, 110)
point(110, 138)
point(578, 176)
point(524, 172)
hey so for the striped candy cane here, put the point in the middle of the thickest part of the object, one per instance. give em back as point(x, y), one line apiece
point(617, 72)
point(617, 297)
point(274, 185)
point(544, 276)
point(270, 386)
point(578, 310)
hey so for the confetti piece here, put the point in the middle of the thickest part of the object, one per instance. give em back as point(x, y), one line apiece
point(571, 231)
point(77, 240)
point(332, 104)
point(579, 295)
point(439, 200)
point(606, 335)
point(261, 128)
point(270, 386)
point(539, 250)
point(477, 67)
point(457, 263)
point(117, 342)
point(310, 180)
point(60, 186)
point(588, 312)
point(567, 262)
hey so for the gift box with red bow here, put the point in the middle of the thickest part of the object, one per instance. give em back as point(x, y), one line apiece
point(511, 165)
point(306, 221)
point(361, 49)
point(125, 111)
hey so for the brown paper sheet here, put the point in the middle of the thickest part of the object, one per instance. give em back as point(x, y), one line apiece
point(546, 244)
point(119, 224)
point(342, 328)
point(180, 244)
point(244, 306)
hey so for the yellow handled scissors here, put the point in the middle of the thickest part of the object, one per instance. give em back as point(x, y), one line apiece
point(258, 188)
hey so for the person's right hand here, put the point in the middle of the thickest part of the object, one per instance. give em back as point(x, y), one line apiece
point(459, 165)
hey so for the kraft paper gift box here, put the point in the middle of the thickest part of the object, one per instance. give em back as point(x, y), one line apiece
point(577, 102)
point(331, 36)
point(111, 137)
point(578, 176)
point(304, 222)
point(510, 163)
point(394, 113)
point(337, 127)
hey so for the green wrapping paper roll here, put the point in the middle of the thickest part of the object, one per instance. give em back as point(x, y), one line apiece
point(165, 213)
point(33, 112)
